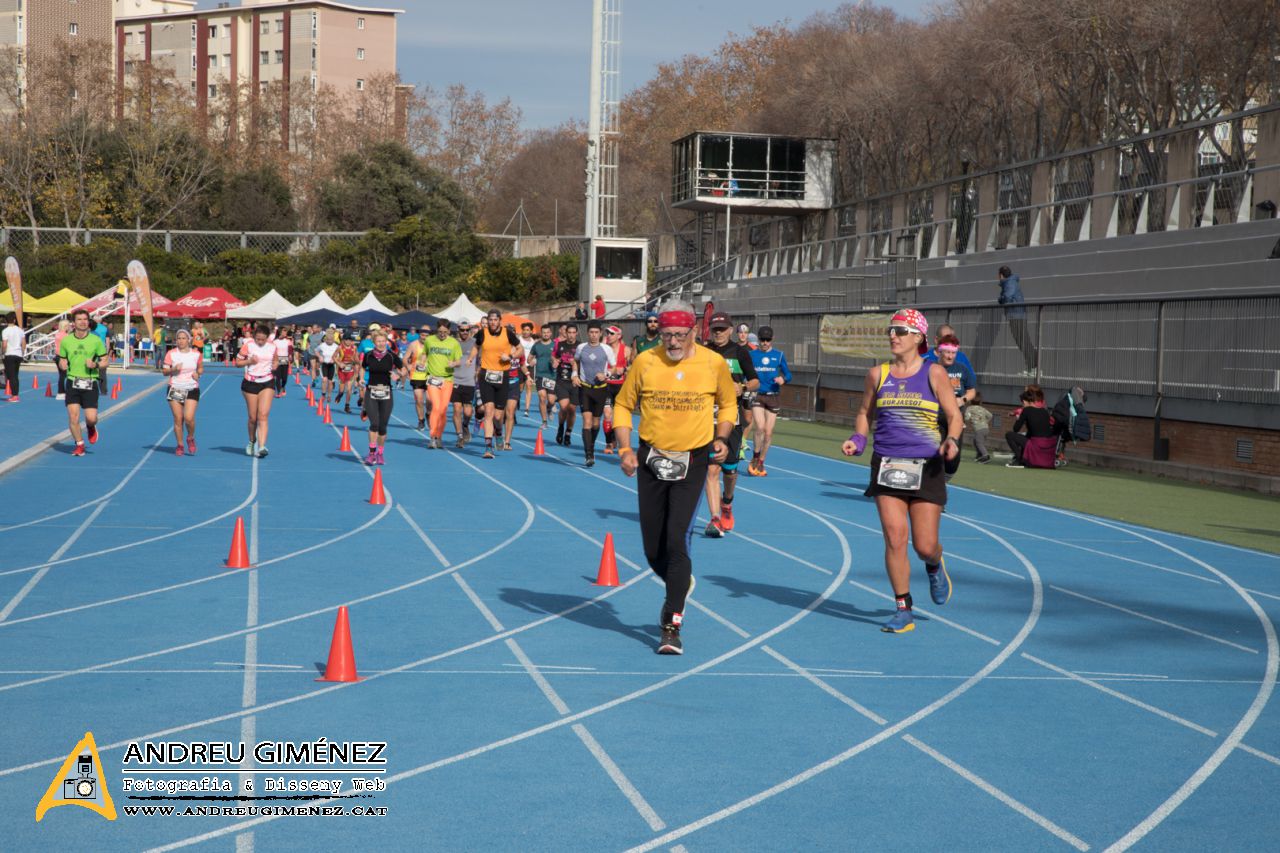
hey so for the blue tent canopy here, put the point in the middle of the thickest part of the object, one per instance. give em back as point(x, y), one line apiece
point(414, 320)
point(322, 316)
point(364, 318)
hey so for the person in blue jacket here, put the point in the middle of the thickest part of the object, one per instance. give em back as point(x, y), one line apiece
point(771, 368)
point(1015, 311)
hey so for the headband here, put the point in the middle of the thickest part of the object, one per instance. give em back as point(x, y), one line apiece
point(681, 319)
point(948, 348)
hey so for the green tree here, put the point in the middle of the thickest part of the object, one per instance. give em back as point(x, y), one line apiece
point(257, 199)
point(379, 187)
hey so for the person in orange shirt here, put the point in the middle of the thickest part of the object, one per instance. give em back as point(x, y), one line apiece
point(497, 348)
point(687, 404)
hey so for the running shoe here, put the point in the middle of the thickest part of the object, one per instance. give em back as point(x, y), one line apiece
point(251, 449)
point(191, 447)
point(364, 416)
point(714, 529)
point(670, 644)
point(15, 399)
point(940, 584)
point(506, 445)
point(742, 451)
point(726, 517)
point(338, 399)
point(544, 424)
point(93, 434)
point(431, 443)
point(262, 452)
point(466, 435)
point(760, 472)
point(178, 451)
point(608, 450)
point(372, 458)
point(901, 623)
point(459, 444)
point(1014, 465)
point(346, 408)
point(983, 460)
point(281, 395)
point(488, 451)
point(591, 461)
point(79, 451)
point(568, 440)
point(422, 425)
point(381, 458)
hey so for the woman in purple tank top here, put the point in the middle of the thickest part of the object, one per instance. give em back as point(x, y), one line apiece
point(908, 398)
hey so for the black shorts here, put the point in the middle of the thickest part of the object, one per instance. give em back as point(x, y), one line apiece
point(593, 399)
point(87, 399)
point(933, 485)
point(463, 394)
point(494, 392)
point(768, 402)
point(417, 384)
point(612, 395)
point(734, 443)
point(327, 370)
point(192, 394)
point(546, 384)
point(566, 390)
point(257, 387)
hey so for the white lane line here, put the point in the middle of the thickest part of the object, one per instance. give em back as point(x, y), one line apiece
point(62, 549)
point(1118, 674)
point(1173, 718)
point(1265, 756)
point(539, 679)
point(570, 670)
point(831, 671)
point(426, 540)
point(824, 687)
point(974, 779)
point(249, 692)
point(931, 614)
point(1150, 618)
point(953, 555)
point(1033, 617)
point(480, 605)
point(744, 537)
point(620, 779)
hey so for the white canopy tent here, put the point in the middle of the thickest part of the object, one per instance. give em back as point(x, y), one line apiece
point(369, 302)
point(320, 302)
point(461, 309)
point(269, 307)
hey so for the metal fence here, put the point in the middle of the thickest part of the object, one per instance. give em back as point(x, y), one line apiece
point(1206, 349)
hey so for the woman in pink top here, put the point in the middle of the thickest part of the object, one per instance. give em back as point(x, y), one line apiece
point(183, 365)
point(258, 358)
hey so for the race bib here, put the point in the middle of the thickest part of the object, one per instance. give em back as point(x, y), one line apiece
point(380, 392)
point(178, 395)
point(493, 376)
point(904, 474)
point(83, 384)
point(669, 465)
point(435, 381)
point(548, 384)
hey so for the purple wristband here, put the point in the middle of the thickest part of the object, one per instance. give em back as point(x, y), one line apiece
point(859, 443)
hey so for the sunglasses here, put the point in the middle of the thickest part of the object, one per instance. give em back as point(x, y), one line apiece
point(674, 336)
point(902, 331)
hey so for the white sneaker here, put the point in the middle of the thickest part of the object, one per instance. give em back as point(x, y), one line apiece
point(251, 449)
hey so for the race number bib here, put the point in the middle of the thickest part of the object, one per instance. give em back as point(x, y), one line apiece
point(178, 395)
point(548, 384)
point(83, 384)
point(669, 465)
point(493, 377)
point(904, 474)
point(435, 381)
point(380, 392)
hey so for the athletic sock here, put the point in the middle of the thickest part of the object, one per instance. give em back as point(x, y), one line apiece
point(932, 568)
point(903, 601)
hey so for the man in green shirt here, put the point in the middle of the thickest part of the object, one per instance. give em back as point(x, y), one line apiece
point(444, 353)
point(649, 339)
point(82, 355)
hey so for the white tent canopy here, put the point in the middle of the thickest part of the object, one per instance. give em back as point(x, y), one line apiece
point(369, 302)
point(269, 307)
point(320, 302)
point(461, 309)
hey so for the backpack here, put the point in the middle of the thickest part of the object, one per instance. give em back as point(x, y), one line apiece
point(1070, 416)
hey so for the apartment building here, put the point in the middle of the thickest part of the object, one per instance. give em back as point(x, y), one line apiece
point(215, 52)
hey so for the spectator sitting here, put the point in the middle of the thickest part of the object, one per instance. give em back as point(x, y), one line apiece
point(1037, 447)
point(978, 419)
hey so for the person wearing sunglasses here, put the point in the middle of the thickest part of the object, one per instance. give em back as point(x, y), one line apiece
point(688, 406)
point(908, 399)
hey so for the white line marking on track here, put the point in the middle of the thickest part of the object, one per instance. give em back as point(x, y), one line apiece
point(249, 691)
point(973, 778)
point(62, 549)
point(538, 678)
point(1118, 674)
point(1150, 618)
point(1265, 756)
point(426, 540)
point(620, 779)
point(568, 670)
point(931, 614)
point(824, 687)
point(480, 605)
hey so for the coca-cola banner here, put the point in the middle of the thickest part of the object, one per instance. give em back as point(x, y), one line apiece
point(14, 275)
point(203, 303)
point(141, 284)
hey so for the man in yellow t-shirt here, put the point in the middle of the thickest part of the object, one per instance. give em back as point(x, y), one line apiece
point(685, 397)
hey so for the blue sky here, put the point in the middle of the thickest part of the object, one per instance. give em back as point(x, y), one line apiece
point(537, 52)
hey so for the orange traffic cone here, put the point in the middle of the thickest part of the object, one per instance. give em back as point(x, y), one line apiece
point(328, 414)
point(345, 446)
point(538, 448)
point(48, 389)
point(342, 658)
point(115, 393)
point(376, 497)
point(239, 556)
point(35, 383)
point(296, 380)
point(119, 385)
point(608, 574)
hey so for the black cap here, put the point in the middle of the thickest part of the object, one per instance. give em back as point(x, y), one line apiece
point(721, 320)
point(765, 333)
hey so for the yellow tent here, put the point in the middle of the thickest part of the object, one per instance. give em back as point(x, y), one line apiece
point(55, 303)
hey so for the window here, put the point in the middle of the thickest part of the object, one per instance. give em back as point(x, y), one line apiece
point(359, 23)
point(128, 66)
point(279, 57)
point(213, 60)
point(264, 27)
point(279, 25)
point(193, 63)
point(360, 85)
point(193, 30)
point(262, 87)
point(360, 53)
point(264, 57)
point(213, 90)
point(226, 60)
point(73, 29)
point(128, 38)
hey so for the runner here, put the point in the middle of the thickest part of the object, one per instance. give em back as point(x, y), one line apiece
point(749, 342)
point(594, 361)
point(299, 346)
point(314, 340)
point(686, 401)
point(415, 361)
point(346, 360)
point(906, 398)
point(464, 386)
point(650, 339)
point(328, 351)
point(284, 357)
point(443, 357)
point(81, 355)
point(382, 367)
point(258, 358)
point(362, 376)
point(527, 340)
point(184, 365)
point(743, 371)
point(566, 350)
point(613, 340)
point(517, 375)
point(497, 346)
point(15, 350)
point(544, 372)
point(773, 372)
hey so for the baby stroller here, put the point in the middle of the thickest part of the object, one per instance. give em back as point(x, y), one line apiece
point(1071, 422)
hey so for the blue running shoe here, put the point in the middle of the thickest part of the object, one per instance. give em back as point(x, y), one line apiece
point(901, 623)
point(940, 584)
